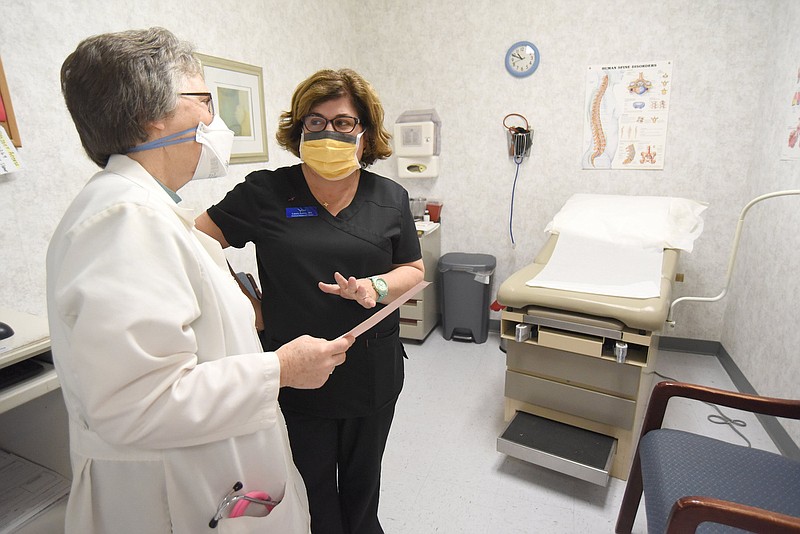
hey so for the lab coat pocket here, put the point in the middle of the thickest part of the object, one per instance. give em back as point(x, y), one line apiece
point(245, 525)
point(282, 518)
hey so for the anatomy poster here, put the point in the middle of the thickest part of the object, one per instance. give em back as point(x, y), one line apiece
point(627, 107)
point(9, 157)
point(791, 141)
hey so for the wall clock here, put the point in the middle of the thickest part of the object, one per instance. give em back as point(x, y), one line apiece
point(522, 59)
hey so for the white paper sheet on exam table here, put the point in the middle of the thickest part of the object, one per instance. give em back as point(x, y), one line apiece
point(598, 267)
point(26, 489)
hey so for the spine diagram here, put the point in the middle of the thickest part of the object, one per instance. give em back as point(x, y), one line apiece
point(598, 137)
point(630, 153)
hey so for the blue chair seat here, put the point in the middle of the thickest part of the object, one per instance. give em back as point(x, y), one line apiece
point(676, 464)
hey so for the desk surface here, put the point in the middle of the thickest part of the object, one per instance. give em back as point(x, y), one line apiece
point(31, 338)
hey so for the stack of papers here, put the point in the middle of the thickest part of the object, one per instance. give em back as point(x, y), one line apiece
point(26, 489)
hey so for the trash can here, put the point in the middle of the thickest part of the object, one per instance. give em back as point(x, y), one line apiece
point(466, 282)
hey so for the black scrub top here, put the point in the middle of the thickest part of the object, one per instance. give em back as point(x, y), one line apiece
point(298, 244)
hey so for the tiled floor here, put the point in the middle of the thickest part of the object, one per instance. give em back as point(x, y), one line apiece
point(442, 473)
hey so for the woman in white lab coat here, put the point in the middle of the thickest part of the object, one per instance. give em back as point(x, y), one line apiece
point(171, 400)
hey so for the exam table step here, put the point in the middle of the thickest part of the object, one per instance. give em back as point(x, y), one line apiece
point(564, 448)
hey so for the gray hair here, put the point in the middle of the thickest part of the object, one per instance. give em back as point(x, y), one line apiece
point(115, 84)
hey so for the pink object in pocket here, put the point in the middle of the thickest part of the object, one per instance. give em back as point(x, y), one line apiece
point(257, 497)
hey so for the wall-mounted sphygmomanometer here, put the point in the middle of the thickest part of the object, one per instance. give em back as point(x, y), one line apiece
point(417, 143)
point(520, 141)
point(520, 136)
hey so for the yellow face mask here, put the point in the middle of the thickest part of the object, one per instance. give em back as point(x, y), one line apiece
point(332, 155)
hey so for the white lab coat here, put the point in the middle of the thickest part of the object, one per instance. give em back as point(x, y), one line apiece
point(170, 397)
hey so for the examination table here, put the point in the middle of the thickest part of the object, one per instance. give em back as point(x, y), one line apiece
point(579, 371)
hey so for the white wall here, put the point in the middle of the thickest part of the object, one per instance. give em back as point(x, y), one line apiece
point(762, 316)
point(733, 67)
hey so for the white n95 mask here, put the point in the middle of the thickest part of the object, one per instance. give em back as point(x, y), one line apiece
point(332, 155)
point(216, 141)
point(215, 154)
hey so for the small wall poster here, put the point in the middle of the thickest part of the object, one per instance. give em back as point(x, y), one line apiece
point(627, 110)
point(791, 140)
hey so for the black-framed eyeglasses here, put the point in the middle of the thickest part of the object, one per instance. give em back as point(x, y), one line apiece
point(341, 123)
point(208, 102)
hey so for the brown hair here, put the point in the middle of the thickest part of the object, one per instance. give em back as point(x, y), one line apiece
point(327, 85)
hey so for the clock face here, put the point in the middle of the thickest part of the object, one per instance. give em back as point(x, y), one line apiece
point(522, 59)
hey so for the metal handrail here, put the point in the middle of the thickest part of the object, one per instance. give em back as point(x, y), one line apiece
point(732, 259)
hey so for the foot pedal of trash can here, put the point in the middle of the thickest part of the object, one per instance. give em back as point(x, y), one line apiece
point(462, 334)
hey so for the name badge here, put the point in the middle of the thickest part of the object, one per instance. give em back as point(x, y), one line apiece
point(305, 211)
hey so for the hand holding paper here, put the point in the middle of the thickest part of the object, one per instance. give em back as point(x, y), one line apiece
point(388, 309)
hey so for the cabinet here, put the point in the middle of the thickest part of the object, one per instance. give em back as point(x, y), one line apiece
point(420, 314)
point(33, 418)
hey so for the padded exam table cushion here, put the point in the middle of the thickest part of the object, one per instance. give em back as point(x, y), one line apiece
point(644, 314)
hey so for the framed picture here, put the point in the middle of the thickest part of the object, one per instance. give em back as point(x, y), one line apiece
point(238, 93)
point(7, 120)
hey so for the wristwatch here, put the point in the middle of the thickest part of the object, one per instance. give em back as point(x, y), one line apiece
point(381, 287)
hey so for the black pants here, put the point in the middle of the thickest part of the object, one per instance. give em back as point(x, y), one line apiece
point(340, 461)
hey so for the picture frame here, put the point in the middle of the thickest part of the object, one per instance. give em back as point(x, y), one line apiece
point(7, 119)
point(238, 93)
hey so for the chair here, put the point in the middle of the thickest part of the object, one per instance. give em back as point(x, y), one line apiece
point(689, 479)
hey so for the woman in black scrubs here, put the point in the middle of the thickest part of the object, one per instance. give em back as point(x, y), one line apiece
point(333, 241)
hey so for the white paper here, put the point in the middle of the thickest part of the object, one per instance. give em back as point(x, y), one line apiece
point(26, 489)
point(389, 308)
point(9, 157)
point(643, 221)
point(587, 265)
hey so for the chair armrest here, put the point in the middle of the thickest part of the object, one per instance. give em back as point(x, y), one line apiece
point(654, 418)
point(664, 391)
point(688, 512)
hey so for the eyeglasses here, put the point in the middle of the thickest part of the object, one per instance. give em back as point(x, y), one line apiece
point(209, 102)
point(342, 123)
